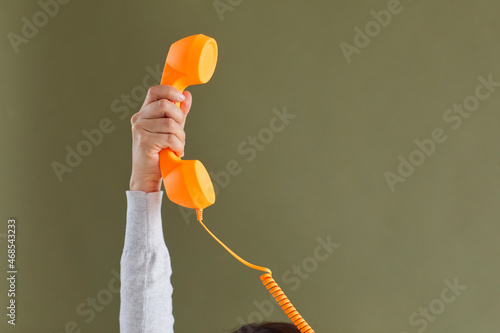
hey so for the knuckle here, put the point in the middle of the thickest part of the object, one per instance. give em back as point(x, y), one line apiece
point(170, 139)
point(163, 104)
point(152, 89)
point(143, 140)
point(170, 89)
point(135, 129)
point(133, 119)
point(169, 123)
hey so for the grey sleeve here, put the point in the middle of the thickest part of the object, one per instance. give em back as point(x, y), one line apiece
point(145, 269)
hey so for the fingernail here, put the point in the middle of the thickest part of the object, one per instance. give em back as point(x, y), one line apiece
point(181, 97)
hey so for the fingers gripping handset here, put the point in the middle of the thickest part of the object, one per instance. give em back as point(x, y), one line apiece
point(190, 61)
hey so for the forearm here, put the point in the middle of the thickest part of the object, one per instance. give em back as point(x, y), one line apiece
point(146, 292)
point(145, 185)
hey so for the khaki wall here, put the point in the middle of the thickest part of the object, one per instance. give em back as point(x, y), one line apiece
point(358, 110)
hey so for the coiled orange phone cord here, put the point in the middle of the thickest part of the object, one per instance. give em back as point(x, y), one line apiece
point(268, 281)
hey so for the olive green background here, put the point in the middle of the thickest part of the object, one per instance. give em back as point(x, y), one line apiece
point(323, 175)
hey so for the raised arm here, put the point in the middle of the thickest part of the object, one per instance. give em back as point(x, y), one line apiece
point(146, 291)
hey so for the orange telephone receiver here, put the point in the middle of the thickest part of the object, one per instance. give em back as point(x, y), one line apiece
point(190, 60)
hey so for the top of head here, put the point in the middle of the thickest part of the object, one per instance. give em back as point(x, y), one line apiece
point(195, 57)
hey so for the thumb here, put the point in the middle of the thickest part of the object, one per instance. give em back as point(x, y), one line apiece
point(186, 106)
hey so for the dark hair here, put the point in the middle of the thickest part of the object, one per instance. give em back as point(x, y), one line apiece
point(268, 327)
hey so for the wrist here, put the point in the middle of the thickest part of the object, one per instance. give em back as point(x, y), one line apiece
point(145, 185)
